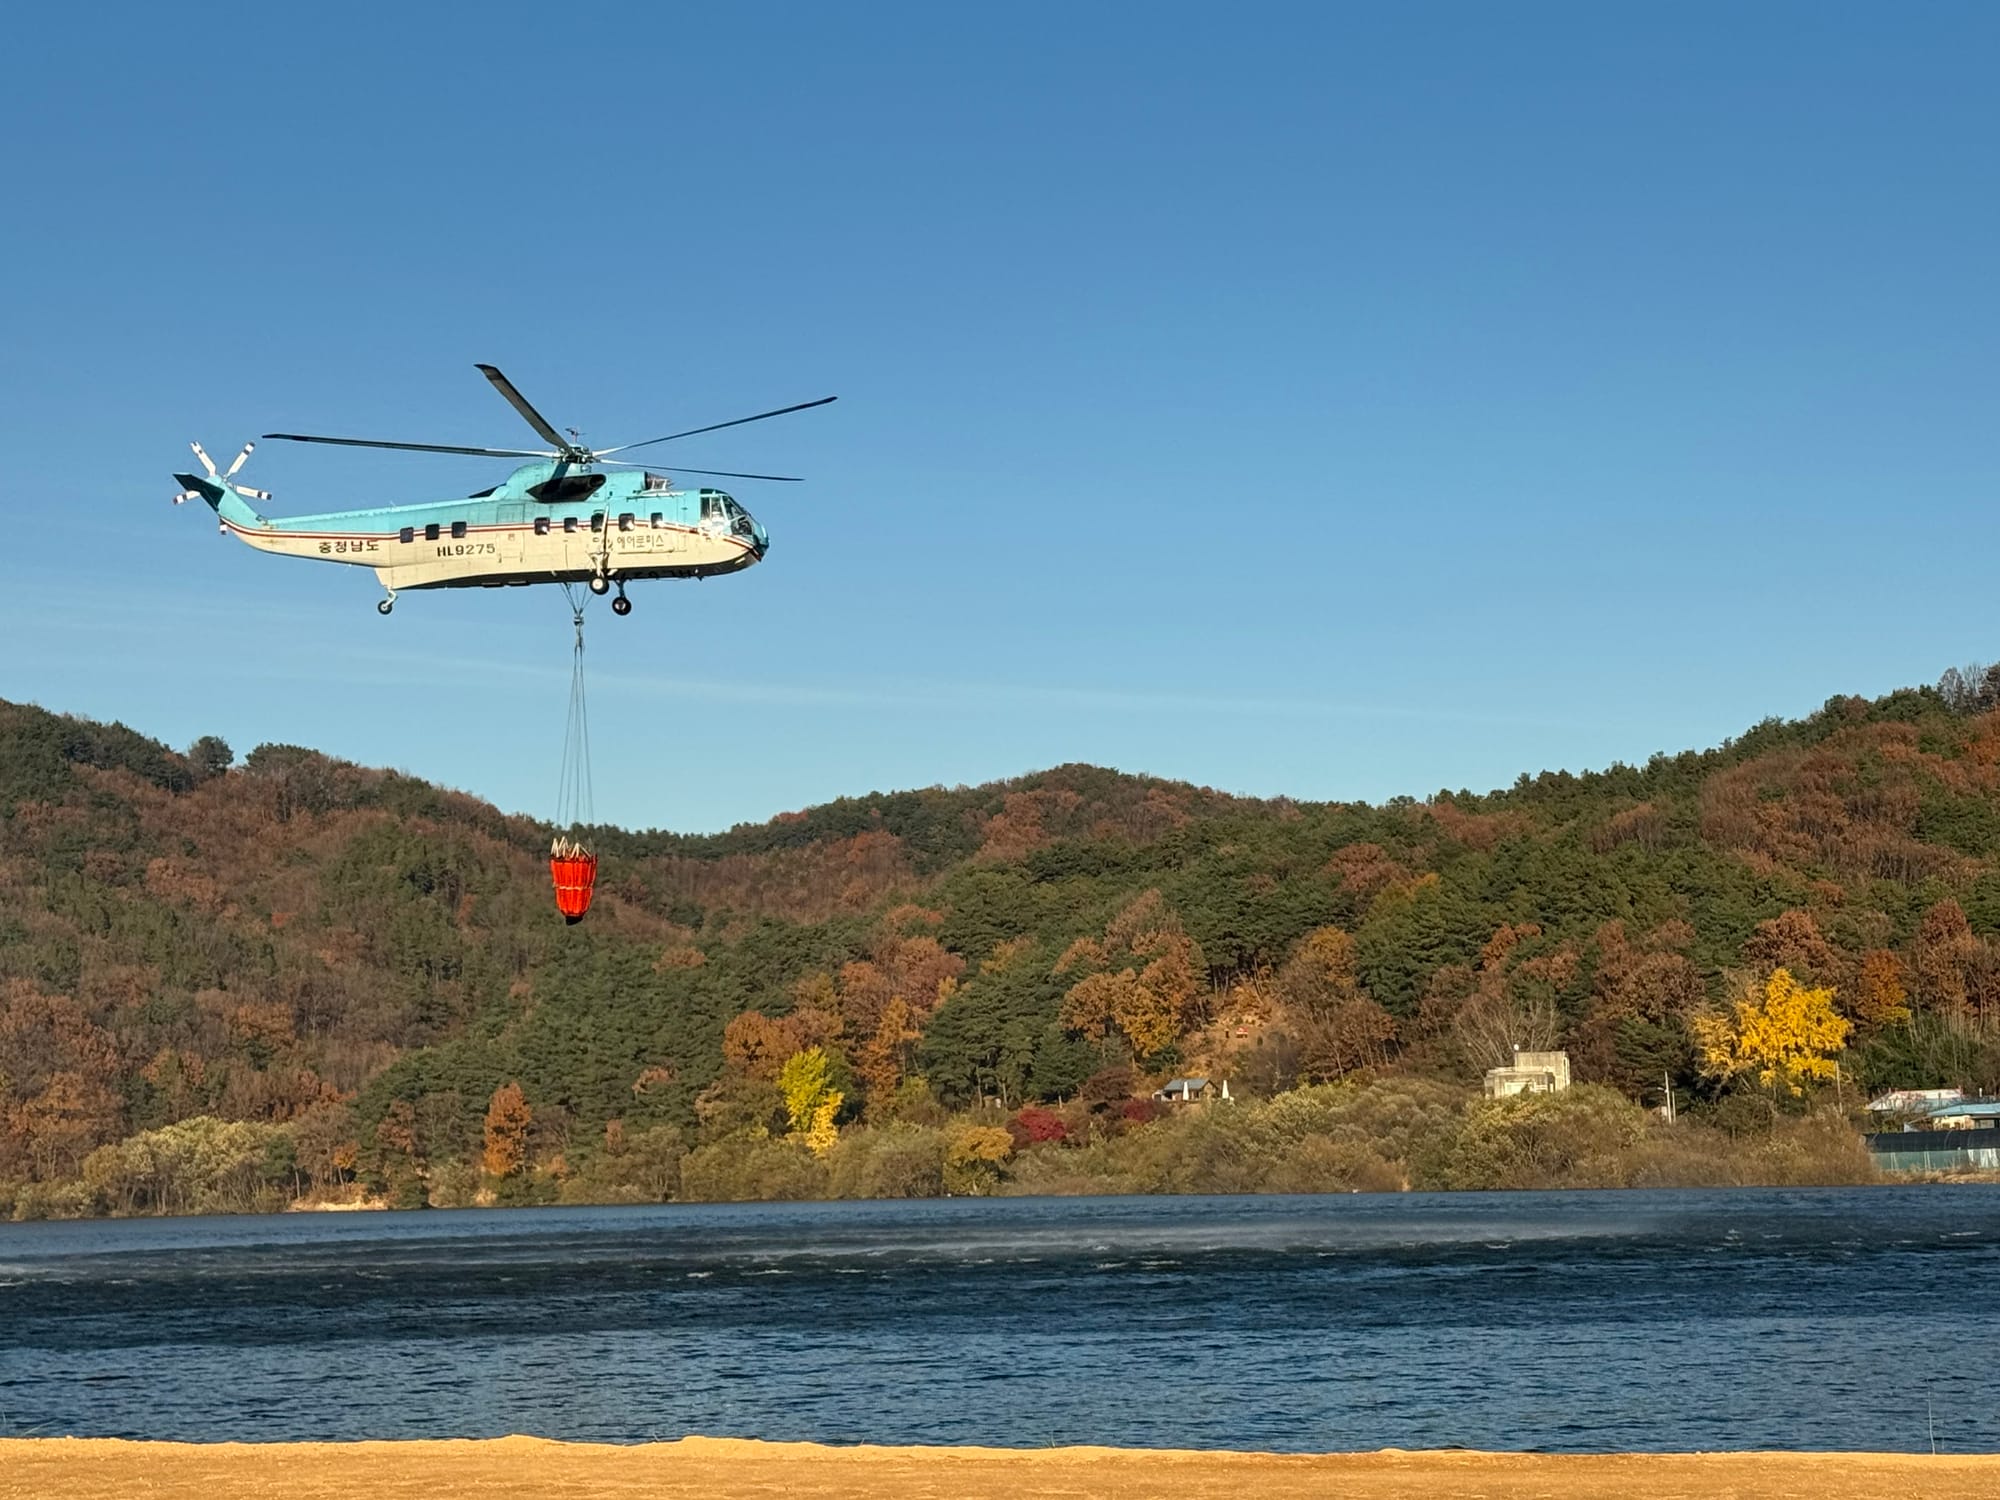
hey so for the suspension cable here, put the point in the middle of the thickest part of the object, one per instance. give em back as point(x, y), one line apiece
point(575, 805)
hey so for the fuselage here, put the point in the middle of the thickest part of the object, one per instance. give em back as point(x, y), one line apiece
point(540, 526)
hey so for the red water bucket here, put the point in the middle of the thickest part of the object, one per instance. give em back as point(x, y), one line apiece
point(575, 877)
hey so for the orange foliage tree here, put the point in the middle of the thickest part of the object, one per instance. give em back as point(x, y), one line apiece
point(1944, 952)
point(885, 1057)
point(1879, 996)
point(507, 1120)
point(1141, 981)
point(56, 1071)
point(756, 1045)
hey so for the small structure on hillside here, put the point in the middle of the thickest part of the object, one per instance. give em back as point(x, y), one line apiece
point(1914, 1101)
point(1532, 1073)
point(1967, 1114)
point(1191, 1091)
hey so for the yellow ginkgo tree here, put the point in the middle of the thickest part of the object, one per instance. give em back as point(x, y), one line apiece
point(1783, 1031)
point(811, 1100)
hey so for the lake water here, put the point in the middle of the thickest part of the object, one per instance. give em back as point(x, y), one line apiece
point(1803, 1319)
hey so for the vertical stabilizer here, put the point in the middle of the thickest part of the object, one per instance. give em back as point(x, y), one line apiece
point(222, 492)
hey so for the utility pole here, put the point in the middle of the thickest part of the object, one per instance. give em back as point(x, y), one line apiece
point(1668, 1079)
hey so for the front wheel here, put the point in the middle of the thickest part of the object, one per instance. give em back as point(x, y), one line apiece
point(600, 585)
point(621, 605)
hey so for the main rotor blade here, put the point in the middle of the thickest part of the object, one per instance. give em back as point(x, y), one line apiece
point(519, 402)
point(692, 431)
point(626, 463)
point(300, 437)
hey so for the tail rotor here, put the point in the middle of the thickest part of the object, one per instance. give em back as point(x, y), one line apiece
point(225, 476)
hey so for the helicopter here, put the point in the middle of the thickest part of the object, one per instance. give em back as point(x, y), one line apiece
point(558, 519)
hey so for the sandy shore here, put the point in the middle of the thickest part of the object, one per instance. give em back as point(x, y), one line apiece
point(89, 1468)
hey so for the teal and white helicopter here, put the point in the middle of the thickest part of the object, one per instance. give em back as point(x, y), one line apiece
point(556, 520)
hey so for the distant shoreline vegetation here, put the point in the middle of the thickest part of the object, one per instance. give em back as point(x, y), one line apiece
point(1390, 1135)
point(233, 987)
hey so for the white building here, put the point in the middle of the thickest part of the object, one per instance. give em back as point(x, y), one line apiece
point(1914, 1101)
point(1192, 1091)
point(1532, 1073)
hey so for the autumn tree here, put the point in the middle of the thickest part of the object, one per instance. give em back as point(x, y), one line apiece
point(916, 969)
point(811, 1100)
point(756, 1045)
point(1649, 978)
point(1366, 870)
point(1879, 996)
point(1792, 941)
point(1340, 1026)
point(885, 1056)
point(1634, 1031)
point(507, 1120)
point(1140, 981)
point(1942, 958)
point(973, 1158)
point(1034, 1125)
point(1781, 1031)
point(1320, 977)
point(57, 1071)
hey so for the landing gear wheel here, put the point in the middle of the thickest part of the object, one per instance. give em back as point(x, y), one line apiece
point(599, 584)
point(383, 606)
point(621, 605)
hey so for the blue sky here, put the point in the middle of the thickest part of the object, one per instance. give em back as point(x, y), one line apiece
point(1326, 400)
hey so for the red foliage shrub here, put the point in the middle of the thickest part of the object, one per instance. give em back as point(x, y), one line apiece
point(1034, 1125)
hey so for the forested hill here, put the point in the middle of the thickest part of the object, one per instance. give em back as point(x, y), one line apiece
point(373, 960)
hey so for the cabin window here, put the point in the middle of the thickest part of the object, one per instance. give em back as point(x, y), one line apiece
point(711, 507)
point(407, 534)
point(597, 520)
point(569, 524)
point(458, 528)
point(541, 525)
point(431, 532)
point(656, 520)
point(625, 521)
